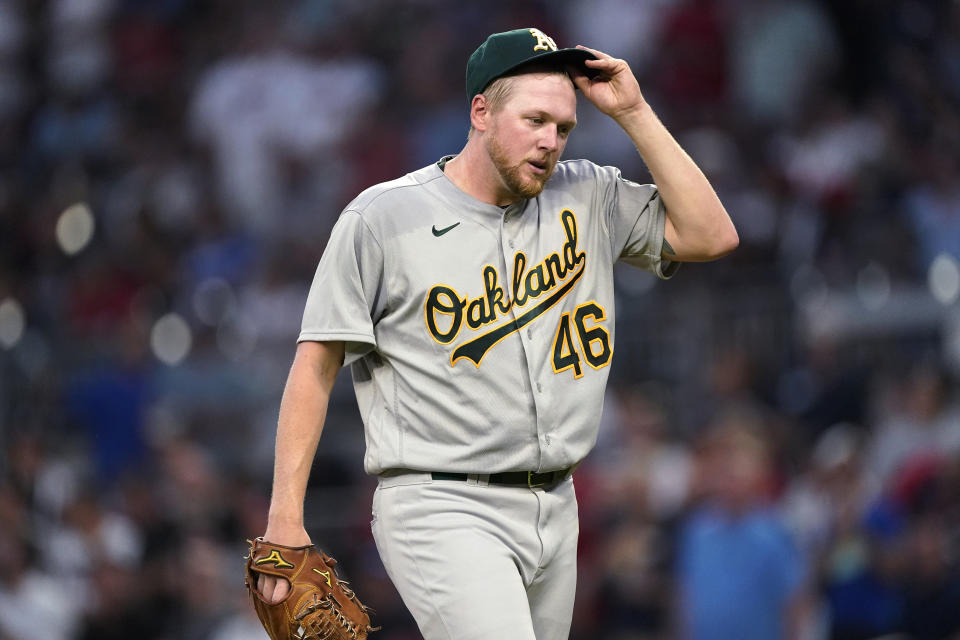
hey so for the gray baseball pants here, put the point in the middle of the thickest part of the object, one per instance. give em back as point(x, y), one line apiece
point(474, 561)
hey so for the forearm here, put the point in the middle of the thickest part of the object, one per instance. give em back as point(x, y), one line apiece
point(303, 411)
point(698, 226)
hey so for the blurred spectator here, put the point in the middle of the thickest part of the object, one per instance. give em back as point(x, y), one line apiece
point(30, 600)
point(739, 573)
point(269, 104)
point(867, 564)
point(202, 589)
point(119, 608)
point(932, 582)
point(633, 596)
point(88, 536)
point(833, 492)
point(860, 569)
point(109, 400)
point(924, 421)
point(825, 503)
point(824, 387)
point(781, 50)
point(640, 465)
point(932, 590)
point(243, 625)
point(691, 69)
point(14, 87)
point(626, 29)
point(822, 160)
point(432, 124)
point(74, 128)
point(630, 489)
point(948, 51)
point(191, 492)
point(933, 207)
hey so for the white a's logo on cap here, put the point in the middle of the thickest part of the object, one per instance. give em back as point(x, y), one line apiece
point(544, 42)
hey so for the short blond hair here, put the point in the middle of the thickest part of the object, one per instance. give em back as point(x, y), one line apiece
point(499, 92)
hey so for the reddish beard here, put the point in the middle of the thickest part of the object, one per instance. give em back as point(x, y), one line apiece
point(512, 175)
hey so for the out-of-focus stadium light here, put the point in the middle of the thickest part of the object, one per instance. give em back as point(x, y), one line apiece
point(171, 339)
point(12, 323)
point(213, 301)
point(873, 286)
point(943, 278)
point(75, 228)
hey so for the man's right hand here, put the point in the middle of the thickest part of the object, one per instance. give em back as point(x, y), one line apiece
point(272, 588)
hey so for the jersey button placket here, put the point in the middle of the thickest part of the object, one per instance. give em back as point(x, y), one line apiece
point(509, 244)
point(510, 233)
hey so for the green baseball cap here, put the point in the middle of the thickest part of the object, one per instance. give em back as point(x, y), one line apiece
point(504, 52)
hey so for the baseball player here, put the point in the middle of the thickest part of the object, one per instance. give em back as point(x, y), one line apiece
point(473, 300)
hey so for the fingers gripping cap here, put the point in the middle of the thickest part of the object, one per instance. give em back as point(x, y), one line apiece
point(501, 53)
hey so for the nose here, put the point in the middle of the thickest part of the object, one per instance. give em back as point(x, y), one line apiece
point(550, 138)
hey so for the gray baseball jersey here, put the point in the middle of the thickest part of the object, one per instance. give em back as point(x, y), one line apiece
point(479, 337)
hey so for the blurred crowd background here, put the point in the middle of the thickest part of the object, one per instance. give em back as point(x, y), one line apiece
point(780, 447)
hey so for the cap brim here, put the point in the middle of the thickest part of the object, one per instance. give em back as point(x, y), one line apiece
point(574, 57)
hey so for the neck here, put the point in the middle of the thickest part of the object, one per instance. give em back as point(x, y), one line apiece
point(474, 173)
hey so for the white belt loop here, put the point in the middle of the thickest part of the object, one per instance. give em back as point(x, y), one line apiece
point(478, 479)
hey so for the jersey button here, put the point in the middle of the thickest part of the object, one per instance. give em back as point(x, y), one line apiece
point(512, 244)
point(539, 387)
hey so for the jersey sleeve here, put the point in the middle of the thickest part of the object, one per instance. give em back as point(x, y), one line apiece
point(636, 216)
point(347, 292)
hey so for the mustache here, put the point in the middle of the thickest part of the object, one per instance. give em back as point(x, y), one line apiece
point(542, 162)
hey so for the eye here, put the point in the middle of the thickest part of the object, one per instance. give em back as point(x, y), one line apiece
point(535, 120)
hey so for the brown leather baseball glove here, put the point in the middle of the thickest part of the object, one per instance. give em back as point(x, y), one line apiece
point(319, 606)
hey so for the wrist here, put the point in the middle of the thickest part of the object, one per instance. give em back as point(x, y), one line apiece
point(285, 518)
point(286, 532)
point(638, 115)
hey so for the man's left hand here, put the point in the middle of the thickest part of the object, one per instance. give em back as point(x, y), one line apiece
point(612, 87)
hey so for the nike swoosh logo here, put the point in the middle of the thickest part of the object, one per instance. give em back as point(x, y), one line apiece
point(440, 232)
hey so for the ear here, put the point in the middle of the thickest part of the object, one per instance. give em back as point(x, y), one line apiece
point(479, 112)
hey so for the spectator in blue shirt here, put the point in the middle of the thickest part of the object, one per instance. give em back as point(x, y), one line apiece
point(739, 573)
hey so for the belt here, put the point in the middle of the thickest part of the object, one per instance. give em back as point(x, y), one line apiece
point(547, 479)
